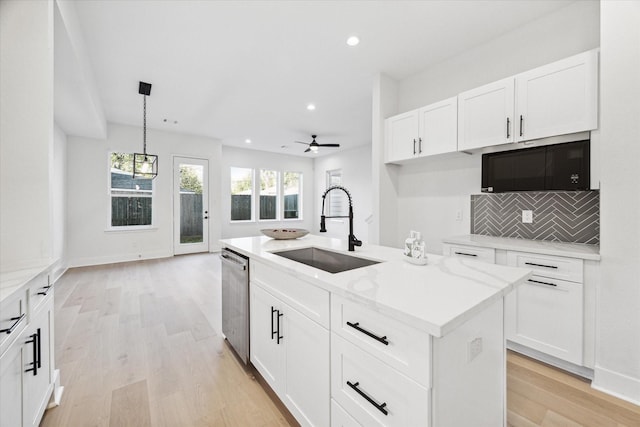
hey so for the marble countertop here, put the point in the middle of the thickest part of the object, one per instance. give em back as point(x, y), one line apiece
point(545, 247)
point(11, 281)
point(435, 298)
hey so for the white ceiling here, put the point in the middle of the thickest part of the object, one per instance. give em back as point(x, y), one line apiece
point(247, 69)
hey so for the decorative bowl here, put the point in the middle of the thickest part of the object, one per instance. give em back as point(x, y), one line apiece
point(416, 261)
point(284, 233)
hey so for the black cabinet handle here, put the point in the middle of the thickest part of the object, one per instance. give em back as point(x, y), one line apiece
point(521, 127)
point(34, 341)
point(12, 327)
point(419, 145)
point(279, 337)
point(542, 283)
point(273, 332)
point(508, 127)
point(39, 349)
point(464, 253)
point(379, 407)
point(357, 327)
point(541, 265)
point(414, 146)
point(45, 290)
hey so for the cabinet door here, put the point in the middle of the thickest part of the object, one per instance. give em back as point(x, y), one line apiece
point(306, 390)
point(402, 136)
point(11, 364)
point(438, 127)
point(38, 383)
point(485, 115)
point(266, 352)
point(546, 315)
point(558, 98)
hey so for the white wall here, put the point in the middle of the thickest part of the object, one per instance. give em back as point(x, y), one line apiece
point(618, 311)
point(26, 132)
point(58, 193)
point(430, 192)
point(356, 177)
point(239, 157)
point(89, 241)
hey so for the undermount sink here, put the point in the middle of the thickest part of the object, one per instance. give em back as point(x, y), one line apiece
point(332, 262)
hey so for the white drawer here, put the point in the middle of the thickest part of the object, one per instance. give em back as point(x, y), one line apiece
point(556, 267)
point(39, 289)
point(546, 314)
point(310, 300)
point(404, 348)
point(340, 417)
point(470, 252)
point(372, 392)
point(13, 318)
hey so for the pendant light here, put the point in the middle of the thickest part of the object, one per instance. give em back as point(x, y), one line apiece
point(145, 166)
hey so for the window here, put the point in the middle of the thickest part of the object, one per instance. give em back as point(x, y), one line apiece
point(241, 194)
point(268, 194)
point(292, 189)
point(131, 199)
point(336, 201)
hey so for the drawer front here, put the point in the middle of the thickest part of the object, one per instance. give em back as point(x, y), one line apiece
point(372, 392)
point(310, 300)
point(548, 265)
point(340, 417)
point(39, 289)
point(546, 314)
point(470, 252)
point(13, 318)
point(404, 348)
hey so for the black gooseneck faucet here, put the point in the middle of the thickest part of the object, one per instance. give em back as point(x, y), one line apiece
point(353, 242)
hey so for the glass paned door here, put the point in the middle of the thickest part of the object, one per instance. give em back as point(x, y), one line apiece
point(190, 205)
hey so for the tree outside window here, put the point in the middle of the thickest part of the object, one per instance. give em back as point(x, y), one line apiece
point(292, 195)
point(131, 199)
point(268, 194)
point(241, 194)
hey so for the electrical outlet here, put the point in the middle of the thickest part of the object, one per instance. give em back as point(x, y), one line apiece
point(527, 217)
point(459, 215)
point(474, 348)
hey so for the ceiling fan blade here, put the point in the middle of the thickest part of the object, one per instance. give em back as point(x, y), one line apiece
point(307, 150)
point(328, 145)
point(300, 142)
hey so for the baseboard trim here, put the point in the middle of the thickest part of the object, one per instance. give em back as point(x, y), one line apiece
point(616, 384)
point(113, 259)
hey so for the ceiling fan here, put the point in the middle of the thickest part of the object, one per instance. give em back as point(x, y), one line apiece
point(313, 145)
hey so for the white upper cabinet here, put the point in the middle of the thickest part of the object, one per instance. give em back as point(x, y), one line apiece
point(558, 98)
point(485, 115)
point(423, 132)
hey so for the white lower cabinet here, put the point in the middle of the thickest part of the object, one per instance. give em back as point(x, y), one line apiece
point(291, 352)
point(340, 418)
point(11, 387)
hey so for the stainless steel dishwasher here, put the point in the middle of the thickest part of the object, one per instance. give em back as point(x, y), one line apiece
point(235, 301)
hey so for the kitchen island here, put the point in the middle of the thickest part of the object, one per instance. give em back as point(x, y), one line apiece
point(387, 344)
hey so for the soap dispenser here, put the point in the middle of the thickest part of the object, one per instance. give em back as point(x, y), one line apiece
point(408, 243)
point(418, 246)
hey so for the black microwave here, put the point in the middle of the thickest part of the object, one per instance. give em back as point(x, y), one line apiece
point(552, 167)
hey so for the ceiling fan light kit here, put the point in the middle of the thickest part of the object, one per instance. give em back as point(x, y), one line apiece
point(145, 166)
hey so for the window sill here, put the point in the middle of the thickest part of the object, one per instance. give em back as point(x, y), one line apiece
point(131, 229)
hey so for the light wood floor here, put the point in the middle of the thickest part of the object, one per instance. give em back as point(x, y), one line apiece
point(139, 344)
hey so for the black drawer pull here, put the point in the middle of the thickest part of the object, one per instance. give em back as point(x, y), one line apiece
point(370, 400)
point(541, 265)
point(12, 327)
point(464, 253)
point(46, 290)
point(357, 327)
point(279, 337)
point(542, 283)
point(34, 340)
point(273, 332)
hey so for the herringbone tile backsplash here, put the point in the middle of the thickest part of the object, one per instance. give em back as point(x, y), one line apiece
point(572, 216)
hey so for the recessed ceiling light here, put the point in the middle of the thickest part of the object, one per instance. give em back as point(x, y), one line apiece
point(247, 141)
point(311, 107)
point(353, 41)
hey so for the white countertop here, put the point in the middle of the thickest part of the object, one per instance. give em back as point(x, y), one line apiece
point(573, 250)
point(12, 281)
point(435, 298)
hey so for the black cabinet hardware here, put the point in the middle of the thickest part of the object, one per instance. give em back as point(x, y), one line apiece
point(540, 265)
point(521, 121)
point(12, 327)
point(464, 253)
point(414, 146)
point(279, 337)
point(357, 327)
point(508, 127)
point(273, 332)
point(419, 145)
point(35, 338)
point(379, 407)
point(45, 290)
point(542, 283)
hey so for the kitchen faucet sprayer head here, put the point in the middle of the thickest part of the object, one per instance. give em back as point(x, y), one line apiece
point(323, 228)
